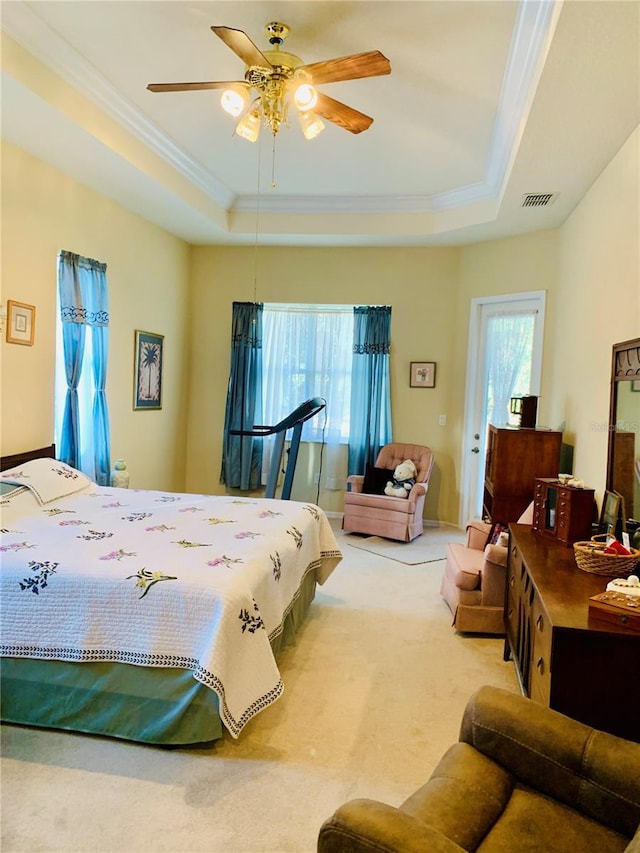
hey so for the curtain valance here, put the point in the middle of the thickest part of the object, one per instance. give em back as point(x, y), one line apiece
point(83, 290)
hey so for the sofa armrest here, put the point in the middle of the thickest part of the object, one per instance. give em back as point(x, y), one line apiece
point(365, 826)
point(591, 771)
point(477, 532)
point(496, 554)
point(417, 491)
point(494, 575)
point(355, 482)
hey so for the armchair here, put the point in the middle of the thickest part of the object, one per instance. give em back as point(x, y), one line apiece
point(521, 777)
point(380, 514)
point(474, 579)
point(473, 583)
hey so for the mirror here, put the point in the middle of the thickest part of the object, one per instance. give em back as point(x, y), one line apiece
point(623, 458)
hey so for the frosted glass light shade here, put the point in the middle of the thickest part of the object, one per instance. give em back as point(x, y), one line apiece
point(233, 101)
point(249, 126)
point(311, 124)
point(305, 97)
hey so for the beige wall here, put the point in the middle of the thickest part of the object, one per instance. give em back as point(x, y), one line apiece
point(44, 211)
point(418, 283)
point(589, 268)
point(598, 304)
point(496, 268)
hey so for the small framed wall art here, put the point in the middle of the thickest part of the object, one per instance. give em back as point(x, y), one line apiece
point(423, 374)
point(21, 323)
point(147, 388)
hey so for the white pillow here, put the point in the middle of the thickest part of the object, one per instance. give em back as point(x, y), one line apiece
point(48, 479)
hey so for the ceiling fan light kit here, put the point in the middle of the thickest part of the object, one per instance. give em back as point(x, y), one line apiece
point(311, 124)
point(278, 80)
point(249, 126)
point(234, 101)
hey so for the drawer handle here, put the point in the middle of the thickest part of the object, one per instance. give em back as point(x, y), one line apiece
point(540, 666)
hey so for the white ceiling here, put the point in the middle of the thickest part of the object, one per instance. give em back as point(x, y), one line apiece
point(486, 101)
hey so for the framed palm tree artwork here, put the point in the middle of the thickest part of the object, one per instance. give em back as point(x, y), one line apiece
point(147, 388)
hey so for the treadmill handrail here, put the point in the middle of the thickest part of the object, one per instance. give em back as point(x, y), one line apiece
point(302, 413)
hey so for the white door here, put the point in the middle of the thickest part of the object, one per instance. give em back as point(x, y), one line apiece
point(504, 360)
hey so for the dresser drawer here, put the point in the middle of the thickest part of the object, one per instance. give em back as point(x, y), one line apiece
point(540, 672)
point(563, 515)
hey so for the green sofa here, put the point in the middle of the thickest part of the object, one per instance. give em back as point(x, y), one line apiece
point(522, 778)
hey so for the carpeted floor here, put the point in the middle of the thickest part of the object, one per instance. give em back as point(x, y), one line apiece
point(374, 692)
point(428, 548)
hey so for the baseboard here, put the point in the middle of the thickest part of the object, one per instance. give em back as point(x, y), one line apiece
point(428, 522)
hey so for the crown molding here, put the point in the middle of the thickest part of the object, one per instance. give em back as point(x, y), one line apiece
point(27, 28)
point(533, 31)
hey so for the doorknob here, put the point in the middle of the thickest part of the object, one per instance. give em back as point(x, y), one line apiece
point(475, 450)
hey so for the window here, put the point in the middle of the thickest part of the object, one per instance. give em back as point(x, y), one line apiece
point(307, 351)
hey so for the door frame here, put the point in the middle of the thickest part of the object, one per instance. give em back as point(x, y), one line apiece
point(469, 423)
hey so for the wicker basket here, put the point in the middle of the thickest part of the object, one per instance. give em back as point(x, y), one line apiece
point(590, 557)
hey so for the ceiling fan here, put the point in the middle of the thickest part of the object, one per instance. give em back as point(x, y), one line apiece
point(278, 79)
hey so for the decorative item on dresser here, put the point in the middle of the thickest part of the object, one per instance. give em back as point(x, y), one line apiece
point(562, 511)
point(563, 658)
point(515, 457)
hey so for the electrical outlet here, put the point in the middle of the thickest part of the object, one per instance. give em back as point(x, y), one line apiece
point(442, 420)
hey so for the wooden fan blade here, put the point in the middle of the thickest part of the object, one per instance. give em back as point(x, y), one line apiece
point(358, 65)
point(193, 87)
point(341, 114)
point(242, 46)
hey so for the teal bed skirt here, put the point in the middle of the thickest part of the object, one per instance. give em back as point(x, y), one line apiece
point(147, 704)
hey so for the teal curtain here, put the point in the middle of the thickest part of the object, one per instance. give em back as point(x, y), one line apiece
point(242, 454)
point(370, 421)
point(83, 297)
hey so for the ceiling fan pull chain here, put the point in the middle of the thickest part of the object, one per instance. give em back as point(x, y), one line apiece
point(273, 163)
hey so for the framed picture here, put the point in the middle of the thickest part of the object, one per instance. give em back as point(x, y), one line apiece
point(147, 374)
point(611, 514)
point(21, 323)
point(423, 374)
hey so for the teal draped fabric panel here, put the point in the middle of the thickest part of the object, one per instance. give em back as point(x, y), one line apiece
point(73, 335)
point(370, 419)
point(83, 293)
point(242, 454)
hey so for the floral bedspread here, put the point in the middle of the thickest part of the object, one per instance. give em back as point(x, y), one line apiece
point(158, 579)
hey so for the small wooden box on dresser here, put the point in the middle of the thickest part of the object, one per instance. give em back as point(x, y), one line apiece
point(562, 660)
point(563, 512)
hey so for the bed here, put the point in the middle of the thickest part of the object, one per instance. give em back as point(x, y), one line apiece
point(151, 616)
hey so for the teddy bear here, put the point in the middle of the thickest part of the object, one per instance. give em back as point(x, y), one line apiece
point(404, 478)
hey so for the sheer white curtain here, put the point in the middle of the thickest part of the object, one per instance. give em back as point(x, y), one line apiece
point(509, 351)
point(307, 352)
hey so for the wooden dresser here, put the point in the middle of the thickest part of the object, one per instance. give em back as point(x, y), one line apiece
point(515, 457)
point(563, 660)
